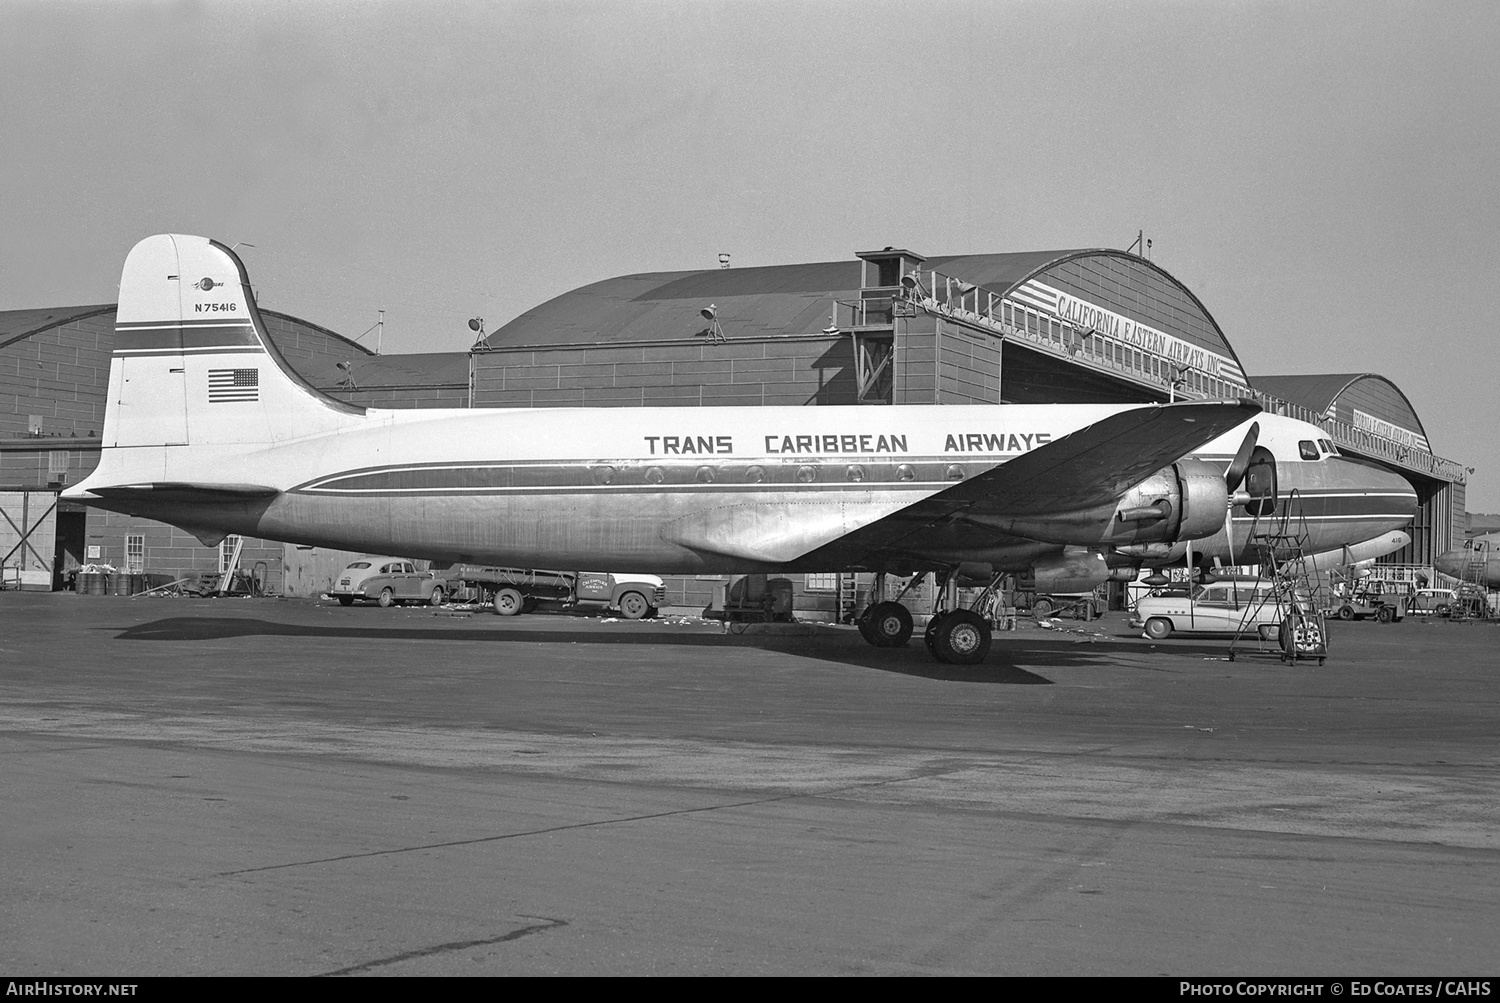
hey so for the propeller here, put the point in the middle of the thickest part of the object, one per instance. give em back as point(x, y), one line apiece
point(1233, 478)
point(1235, 475)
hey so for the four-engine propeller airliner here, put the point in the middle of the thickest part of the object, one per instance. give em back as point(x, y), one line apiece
point(208, 428)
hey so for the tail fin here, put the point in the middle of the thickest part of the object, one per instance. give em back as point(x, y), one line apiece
point(193, 364)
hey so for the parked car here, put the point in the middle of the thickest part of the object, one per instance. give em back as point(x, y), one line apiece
point(1435, 602)
point(1215, 608)
point(387, 580)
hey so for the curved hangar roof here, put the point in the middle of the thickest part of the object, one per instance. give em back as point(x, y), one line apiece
point(796, 299)
point(1366, 401)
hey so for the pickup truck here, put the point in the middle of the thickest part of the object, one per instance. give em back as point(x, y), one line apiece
point(512, 591)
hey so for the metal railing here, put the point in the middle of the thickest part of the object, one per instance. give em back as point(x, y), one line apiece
point(966, 303)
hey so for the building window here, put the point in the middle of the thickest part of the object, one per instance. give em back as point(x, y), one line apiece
point(226, 552)
point(135, 554)
point(821, 583)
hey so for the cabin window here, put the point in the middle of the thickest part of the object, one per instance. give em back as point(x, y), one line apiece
point(704, 475)
point(855, 472)
point(655, 475)
point(955, 472)
point(807, 474)
point(1308, 450)
point(755, 475)
point(906, 472)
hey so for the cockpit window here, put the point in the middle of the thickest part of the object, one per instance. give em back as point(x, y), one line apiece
point(1308, 450)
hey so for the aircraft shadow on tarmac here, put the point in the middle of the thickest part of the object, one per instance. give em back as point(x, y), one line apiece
point(1004, 664)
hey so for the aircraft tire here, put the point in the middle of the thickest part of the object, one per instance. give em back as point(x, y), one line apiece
point(346, 600)
point(886, 625)
point(1158, 629)
point(508, 602)
point(387, 598)
point(960, 638)
point(634, 606)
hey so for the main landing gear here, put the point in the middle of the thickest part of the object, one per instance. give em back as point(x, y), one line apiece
point(954, 636)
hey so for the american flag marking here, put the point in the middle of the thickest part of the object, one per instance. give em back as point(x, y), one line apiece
point(230, 385)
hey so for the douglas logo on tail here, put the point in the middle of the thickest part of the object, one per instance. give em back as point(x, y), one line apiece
point(208, 428)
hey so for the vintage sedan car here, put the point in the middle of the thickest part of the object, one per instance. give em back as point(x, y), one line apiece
point(1434, 602)
point(387, 580)
point(1217, 608)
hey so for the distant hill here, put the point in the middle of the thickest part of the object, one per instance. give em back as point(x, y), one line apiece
point(1482, 525)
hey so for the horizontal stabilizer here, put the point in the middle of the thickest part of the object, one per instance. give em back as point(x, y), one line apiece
point(185, 491)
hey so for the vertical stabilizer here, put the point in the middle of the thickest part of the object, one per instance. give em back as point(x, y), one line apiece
point(193, 364)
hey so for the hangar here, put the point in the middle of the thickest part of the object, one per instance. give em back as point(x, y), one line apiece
point(888, 326)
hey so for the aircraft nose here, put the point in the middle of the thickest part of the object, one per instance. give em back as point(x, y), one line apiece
point(1450, 563)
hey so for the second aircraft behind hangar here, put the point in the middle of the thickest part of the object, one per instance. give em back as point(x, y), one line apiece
point(209, 429)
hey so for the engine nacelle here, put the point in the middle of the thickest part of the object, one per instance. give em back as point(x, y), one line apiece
point(1186, 501)
point(1075, 570)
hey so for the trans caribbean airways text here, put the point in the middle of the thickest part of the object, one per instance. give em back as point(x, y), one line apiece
point(844, 444)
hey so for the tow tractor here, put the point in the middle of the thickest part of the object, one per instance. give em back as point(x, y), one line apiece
point(1385, 607)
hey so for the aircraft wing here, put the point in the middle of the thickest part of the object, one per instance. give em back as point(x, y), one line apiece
point(1089, 468)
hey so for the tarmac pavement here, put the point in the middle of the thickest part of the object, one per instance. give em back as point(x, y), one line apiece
point(281, 787)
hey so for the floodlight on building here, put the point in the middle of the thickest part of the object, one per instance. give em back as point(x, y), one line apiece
point(476, 324)
point(713, 332)
point(723, 261)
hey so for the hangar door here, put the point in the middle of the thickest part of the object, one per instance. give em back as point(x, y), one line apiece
point(28, 539)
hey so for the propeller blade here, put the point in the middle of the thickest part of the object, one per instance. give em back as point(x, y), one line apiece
point(1236, 472)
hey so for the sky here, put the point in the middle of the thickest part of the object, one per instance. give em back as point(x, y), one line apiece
point(1322, 175)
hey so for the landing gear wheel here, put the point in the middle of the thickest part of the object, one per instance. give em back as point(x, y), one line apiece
point(932, 626)
point(634, 606)
point(962, 637)
point(437, 597)
point(387, 598)
point(1346, 613)
point(1158, 629)
point(346, 600)
point(886, 625)
point(508, 602)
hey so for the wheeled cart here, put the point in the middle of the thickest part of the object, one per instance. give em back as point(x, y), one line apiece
point(1304, 635)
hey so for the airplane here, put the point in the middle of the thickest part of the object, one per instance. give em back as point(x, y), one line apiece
point(1476, 562)
point(209, 429)
point(1357, 560)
